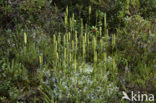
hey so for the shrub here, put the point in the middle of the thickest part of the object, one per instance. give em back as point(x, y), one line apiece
point(136, 39)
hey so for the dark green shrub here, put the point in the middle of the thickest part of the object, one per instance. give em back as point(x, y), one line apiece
point(136, 40)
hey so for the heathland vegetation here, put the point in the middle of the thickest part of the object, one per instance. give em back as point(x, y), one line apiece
point(76, 51)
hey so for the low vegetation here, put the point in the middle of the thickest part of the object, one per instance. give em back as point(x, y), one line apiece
point(89, 53)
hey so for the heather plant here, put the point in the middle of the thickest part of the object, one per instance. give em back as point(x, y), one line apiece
point(141, 39)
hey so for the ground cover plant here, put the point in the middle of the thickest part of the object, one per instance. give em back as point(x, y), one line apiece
point(76, 51)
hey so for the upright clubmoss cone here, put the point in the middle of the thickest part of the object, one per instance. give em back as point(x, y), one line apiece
point(66, 18)
point(75, 64)
point(95, 57)
point(66, 15)
point(84, 47)
point(55, 50)
point(66, 21)
point(41, 59)
point(90, 10)
point(76, 40)
point(100, 31)
point(94, 44)
point(54, 39)
point(105, 25)
point(70, 57)
point(101, 44)
point(67, 10)
point(73, 21)
point(113, 40)
point(105, 57)
point(114, 66)
point(71, 24)
point(67, 42)
point(57, 56)
point(69, 36)
point(25, 38)
point(65, 57)
point(105, 22)
point(72, 45)
point(64, 40)
point(65, 54)
point(94, 50)
point(64, 64)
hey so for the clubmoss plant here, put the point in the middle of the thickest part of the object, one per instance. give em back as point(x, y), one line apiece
point(64, 59)
point(54, 39)
point(105, 24)
point(76, 41)
point(90, 11)
point(94, 44)
point(71, 24)
point(67, 11)
point(85, 38)
point(66, 21)
point(64, 40)
point(114, 64)
point(105, 57)
point(59, 39)
point(57, 56)
point(84, 47)
point(69, 36)
point(95, 57)
point(41, 60)
point(73, 21)
point(65, 54)
point(25, 38)
point(66, 18)
point(55, 49)
point(101, 45)
point(67, 42)
point(70, 58)
point(100, 31)
point(105, 21)
point(75, 64)
point(73, 45)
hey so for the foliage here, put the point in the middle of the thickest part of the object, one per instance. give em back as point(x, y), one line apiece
point(89, 51)
point(136, 38)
